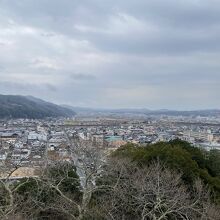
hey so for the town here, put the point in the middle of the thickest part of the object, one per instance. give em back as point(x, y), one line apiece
point(29, 144)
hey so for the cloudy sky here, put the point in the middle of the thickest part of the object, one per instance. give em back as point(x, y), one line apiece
point(112, 53)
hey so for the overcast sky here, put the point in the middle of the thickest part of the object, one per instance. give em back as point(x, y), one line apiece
point(112, 53)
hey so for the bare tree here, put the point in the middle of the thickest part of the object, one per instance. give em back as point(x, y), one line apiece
point(89, 158)
point(107, 189)
point(56, 192)
point(46, 194)
point(153, 192)
point(8, 189)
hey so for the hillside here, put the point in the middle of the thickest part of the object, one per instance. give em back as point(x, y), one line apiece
point(13, 106)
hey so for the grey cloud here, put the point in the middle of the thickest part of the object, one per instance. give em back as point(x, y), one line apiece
point(25, 88)
point(182, 25)
point(82, 76)
point(112, 53)
point(52, 88)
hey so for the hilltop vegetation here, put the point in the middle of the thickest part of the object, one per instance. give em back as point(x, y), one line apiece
point(171, 180)
point(29, 107)
point(179, 155)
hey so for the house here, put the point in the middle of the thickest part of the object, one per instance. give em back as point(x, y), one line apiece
point(8, 136)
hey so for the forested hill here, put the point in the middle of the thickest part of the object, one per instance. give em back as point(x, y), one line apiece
point(13, 106)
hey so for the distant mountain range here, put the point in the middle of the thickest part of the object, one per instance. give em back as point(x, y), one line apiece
point(14, 106)
point(143, 112)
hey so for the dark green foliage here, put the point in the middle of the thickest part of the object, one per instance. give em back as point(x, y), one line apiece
point(4, 197)
point(65, 175)
point(51, 215)
point(36, 190)
point(174, 156)
point(213, 162)
point(127, 181)
point(38, 197)
point(179, 155)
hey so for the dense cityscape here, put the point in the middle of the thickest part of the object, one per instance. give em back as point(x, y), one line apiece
point(30, 143)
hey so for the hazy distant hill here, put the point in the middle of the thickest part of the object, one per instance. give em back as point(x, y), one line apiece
point(13, 106)
point(143, 112)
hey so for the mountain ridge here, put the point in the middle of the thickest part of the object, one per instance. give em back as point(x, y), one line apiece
point(18, 106)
